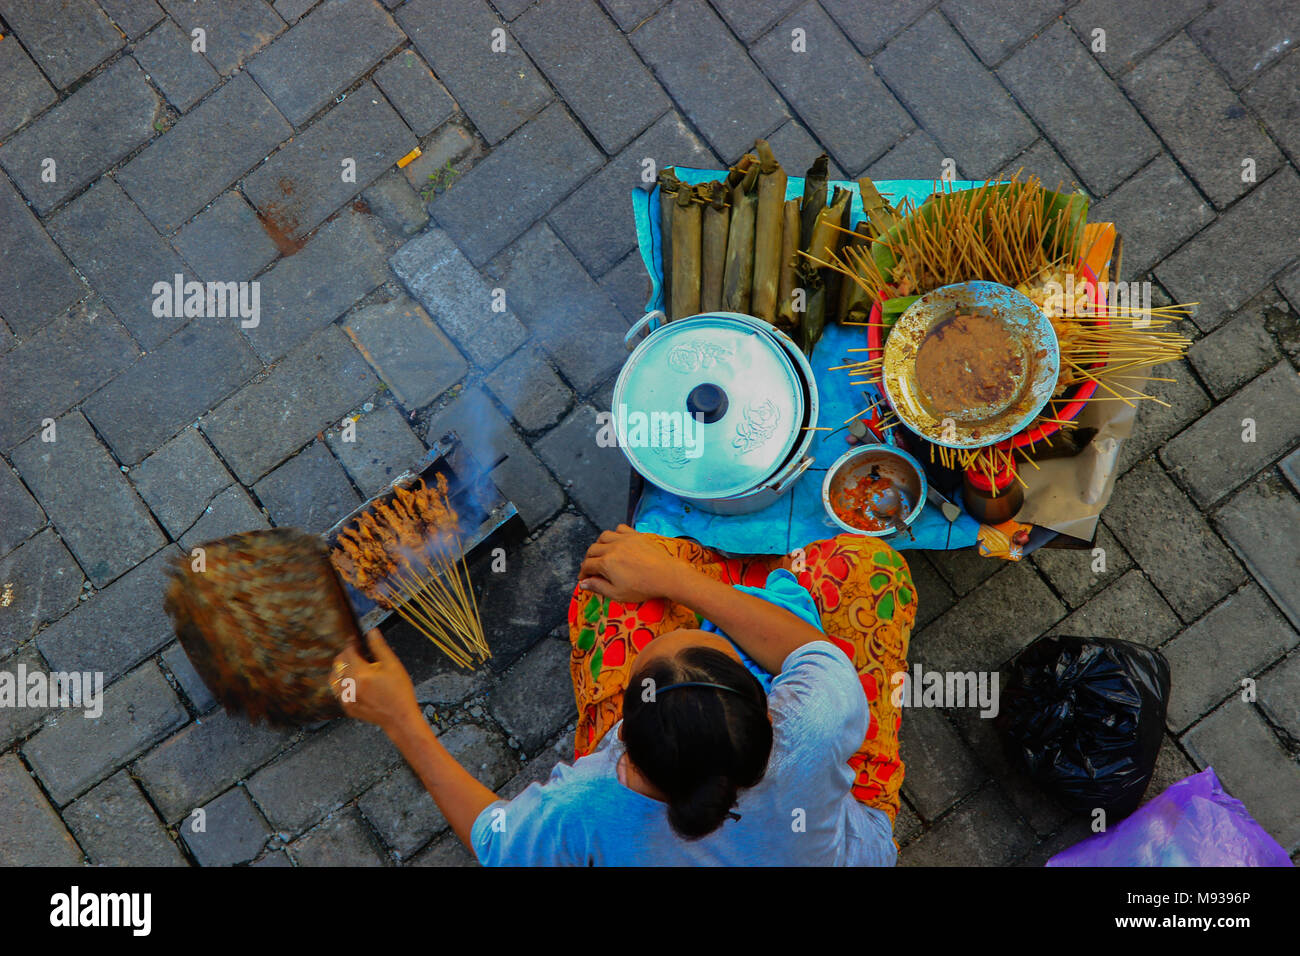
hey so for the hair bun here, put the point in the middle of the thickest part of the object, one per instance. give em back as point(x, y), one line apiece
point(702, 810)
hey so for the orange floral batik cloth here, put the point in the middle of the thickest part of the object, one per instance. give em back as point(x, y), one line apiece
point(867, 602)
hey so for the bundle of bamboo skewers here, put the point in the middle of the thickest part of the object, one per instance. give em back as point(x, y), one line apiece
point(1021, 235)
point(403, 555)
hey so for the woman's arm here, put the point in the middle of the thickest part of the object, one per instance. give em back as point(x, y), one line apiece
point(628, 566)
point(382, 694)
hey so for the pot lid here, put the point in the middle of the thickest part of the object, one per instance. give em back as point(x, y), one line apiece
point(709, 406)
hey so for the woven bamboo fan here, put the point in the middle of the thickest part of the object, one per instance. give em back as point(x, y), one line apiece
point(262, 623)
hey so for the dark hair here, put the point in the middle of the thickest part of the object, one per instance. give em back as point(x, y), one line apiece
point(699, 745)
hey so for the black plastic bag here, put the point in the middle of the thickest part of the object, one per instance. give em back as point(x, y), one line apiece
point(1085, 717)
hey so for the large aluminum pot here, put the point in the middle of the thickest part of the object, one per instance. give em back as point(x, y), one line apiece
point(717, 409)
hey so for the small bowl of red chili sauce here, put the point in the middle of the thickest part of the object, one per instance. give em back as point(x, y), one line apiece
point(866, 483)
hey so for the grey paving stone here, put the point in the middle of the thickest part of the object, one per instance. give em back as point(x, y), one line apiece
point(750, 19)
point(235, 29)
point(226, 242)
point(230, 512)
point(305, 292)
point(964, 568)
point(796, 150)
point(593, 67)
point(487, 435)
point(1041, 160)
point(407, 349)
point(499, 91)
point(934, 596)
point(924, 65)
point(67, 46)
point(179, 480)
point(23, 516)
point(302, 184)
point(848, 108)
point(991, 624)
point(171, 386)
point(509, 9)
point(1171, 541)
point(566, 312)
point(1155, 211)
point(1289, 285)
point(526, 384)
point(114, 246)
point(38, 282)
point(1212, 457)
point(180, 173)
point(18, 722)
point(74, 752)
point(1130, 609)
point(261, 425)
point(1241, 348)
point(321, 773)
point(179, 666)
point(204, 759)
point(737, 104)
point(538, 769)
point(595, 477)
point(446, 851)
point(628, 286)
point(1098, 132)
point(437, 273)
point(870, 25)
point(1243, 37)
point(528, 598)
point(917, 157)
point(1259, 522)
point(940, 767)
point(1130, 29)
point(133, 17)
point(27, 92)
point(342, 840)
point(1279, 695)
point(628, 14)
point(1156, 422)
point(596, 221)
point(450, 687)
point(115, 629)
point(907, 825)
point(183, 75)
point(116, 826)
point(983, 831)
point(87, 133)
point(1201, 120)
point(88, 500)
point(46, 582)
point(396, 204)
point(1208, 661)
point(384, 447)
point(1256, 230)
point(1071, 572)
point(993, 28)
point(330, 49)
point(292, 10)
point(400, 808)
point(309, 491)
point(1275, 97)
point(1252, 765)
point(1037, 807)
point(440, 162)
point(534, 701)
point(233, 831)
point(1171, 766)
point(518, 183)
point(34, 834)
point(411, 86)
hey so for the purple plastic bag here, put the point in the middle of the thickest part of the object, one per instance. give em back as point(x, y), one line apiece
point(1193, 823)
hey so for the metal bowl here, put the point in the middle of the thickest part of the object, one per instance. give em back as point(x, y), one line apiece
point(1033, 338)
point(901, 468)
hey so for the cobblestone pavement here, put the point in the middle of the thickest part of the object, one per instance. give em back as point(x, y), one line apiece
point(129, 159)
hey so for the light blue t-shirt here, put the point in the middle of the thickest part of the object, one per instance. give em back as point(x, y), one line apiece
point(800, 813)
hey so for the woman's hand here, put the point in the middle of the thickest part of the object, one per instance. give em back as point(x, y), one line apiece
point(380, 693)
point(626, 565)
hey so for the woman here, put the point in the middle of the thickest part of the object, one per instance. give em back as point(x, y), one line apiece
point(718, 723)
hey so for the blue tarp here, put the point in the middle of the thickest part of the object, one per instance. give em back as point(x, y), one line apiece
point(798, 516)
